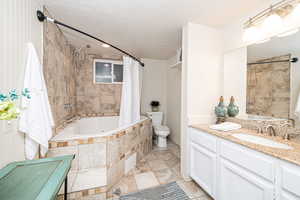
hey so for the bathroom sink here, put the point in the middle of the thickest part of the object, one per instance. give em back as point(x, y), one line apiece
point(261, 141)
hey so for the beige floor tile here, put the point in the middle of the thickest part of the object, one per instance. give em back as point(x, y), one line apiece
point(142, 167)
point(127, 185)
point(165, 176)
point(150, 157)
point(146, 180)
point(164, 155)
point(191, 189)
point(176, 169)
point(172, 162)
point(157, 164)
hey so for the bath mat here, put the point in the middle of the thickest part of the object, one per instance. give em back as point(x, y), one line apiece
point(170, 191)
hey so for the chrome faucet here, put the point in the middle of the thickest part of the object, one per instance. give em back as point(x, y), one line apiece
point(68, 106)
point(272, 130)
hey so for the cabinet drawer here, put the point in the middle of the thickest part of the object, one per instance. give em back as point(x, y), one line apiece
point(253, 161)
point(203, 139)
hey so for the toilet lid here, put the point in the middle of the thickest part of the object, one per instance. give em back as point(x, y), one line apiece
point(162, 128)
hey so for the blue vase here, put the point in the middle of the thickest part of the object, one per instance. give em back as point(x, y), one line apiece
point(233, 110)
point(221, 110)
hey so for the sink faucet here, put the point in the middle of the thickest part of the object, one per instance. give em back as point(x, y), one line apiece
point(272, 130)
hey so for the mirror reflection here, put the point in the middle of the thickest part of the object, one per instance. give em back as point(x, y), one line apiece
point(273, 78)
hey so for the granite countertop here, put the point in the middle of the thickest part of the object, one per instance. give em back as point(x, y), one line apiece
point(292, 155)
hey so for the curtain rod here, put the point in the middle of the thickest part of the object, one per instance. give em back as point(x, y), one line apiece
point(41, 17)
point(293, 60)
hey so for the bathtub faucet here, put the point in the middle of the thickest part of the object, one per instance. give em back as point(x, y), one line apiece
point(68, 106)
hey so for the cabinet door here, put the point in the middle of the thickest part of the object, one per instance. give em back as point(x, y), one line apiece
point(237, 183)
point(289, 182)
point(203, 168)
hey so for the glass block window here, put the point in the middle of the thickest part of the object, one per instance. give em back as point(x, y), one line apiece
point(108, 71)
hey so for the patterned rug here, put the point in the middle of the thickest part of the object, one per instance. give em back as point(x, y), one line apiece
point(169, 191)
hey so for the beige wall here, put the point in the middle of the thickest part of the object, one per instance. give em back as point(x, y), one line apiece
point(174, 100)
point(19, 25)
point(154, 85)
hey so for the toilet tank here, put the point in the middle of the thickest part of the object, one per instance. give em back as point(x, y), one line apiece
point(156, 117)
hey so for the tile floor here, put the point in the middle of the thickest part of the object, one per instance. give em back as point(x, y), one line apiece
point(159, 167)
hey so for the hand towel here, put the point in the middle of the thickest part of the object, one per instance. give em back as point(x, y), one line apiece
point(36, 119)
point(226, 126)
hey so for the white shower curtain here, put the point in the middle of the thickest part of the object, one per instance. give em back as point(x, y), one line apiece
point(130, 101)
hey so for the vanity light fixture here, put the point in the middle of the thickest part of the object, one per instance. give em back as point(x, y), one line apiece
point(272, 24)
point(252, 33)
point(278, 20)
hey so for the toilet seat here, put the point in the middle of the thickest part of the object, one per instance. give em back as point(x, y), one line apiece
point(162, 130)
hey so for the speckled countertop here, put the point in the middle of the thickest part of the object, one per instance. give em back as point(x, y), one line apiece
point(292, 155)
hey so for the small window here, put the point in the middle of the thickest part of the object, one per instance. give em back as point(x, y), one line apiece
point(108, 71)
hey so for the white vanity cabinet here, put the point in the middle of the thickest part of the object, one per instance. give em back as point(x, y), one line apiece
point(229, 171)
point(244, 174)
point(203, 160)
point(288, 181)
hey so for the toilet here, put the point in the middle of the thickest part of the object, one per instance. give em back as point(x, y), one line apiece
point(160, 131)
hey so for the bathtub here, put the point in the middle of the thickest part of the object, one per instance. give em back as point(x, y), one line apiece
point(104, 152)
point(92, 127)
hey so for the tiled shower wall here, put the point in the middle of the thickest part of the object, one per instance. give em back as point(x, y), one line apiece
point(268, 88)
point(59, 71)
point(95, 99)
point(71, 89)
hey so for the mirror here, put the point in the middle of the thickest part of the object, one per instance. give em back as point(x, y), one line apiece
point(273, 82)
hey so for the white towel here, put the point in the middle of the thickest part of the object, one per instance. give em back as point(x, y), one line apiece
point(226, 126)
point(297, 109)
point(36, 119)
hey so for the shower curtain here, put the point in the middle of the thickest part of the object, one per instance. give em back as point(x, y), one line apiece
point(130, 101)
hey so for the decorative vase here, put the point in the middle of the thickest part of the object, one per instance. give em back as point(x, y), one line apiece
point(233, 110)
point(221, 110)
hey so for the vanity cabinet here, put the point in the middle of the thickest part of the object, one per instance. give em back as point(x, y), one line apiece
point(237, 183)
point(229, 171)
point(289, 182)
point(203, 160)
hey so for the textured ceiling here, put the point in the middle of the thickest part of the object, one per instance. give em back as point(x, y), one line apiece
point(148, 29)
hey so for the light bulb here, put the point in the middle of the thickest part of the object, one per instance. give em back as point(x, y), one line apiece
point(252, 34)
point(294, 18)
point(291, 23)
point(296, 11)
point(105, 45)
point(272, 24)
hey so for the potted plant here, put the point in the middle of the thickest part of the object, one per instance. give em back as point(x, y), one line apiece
point(155, 106)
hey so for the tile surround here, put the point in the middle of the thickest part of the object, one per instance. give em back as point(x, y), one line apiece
point(59, 72)
point(268, 88)
point(70, 81)
point(93, 155)
point(93, 98)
